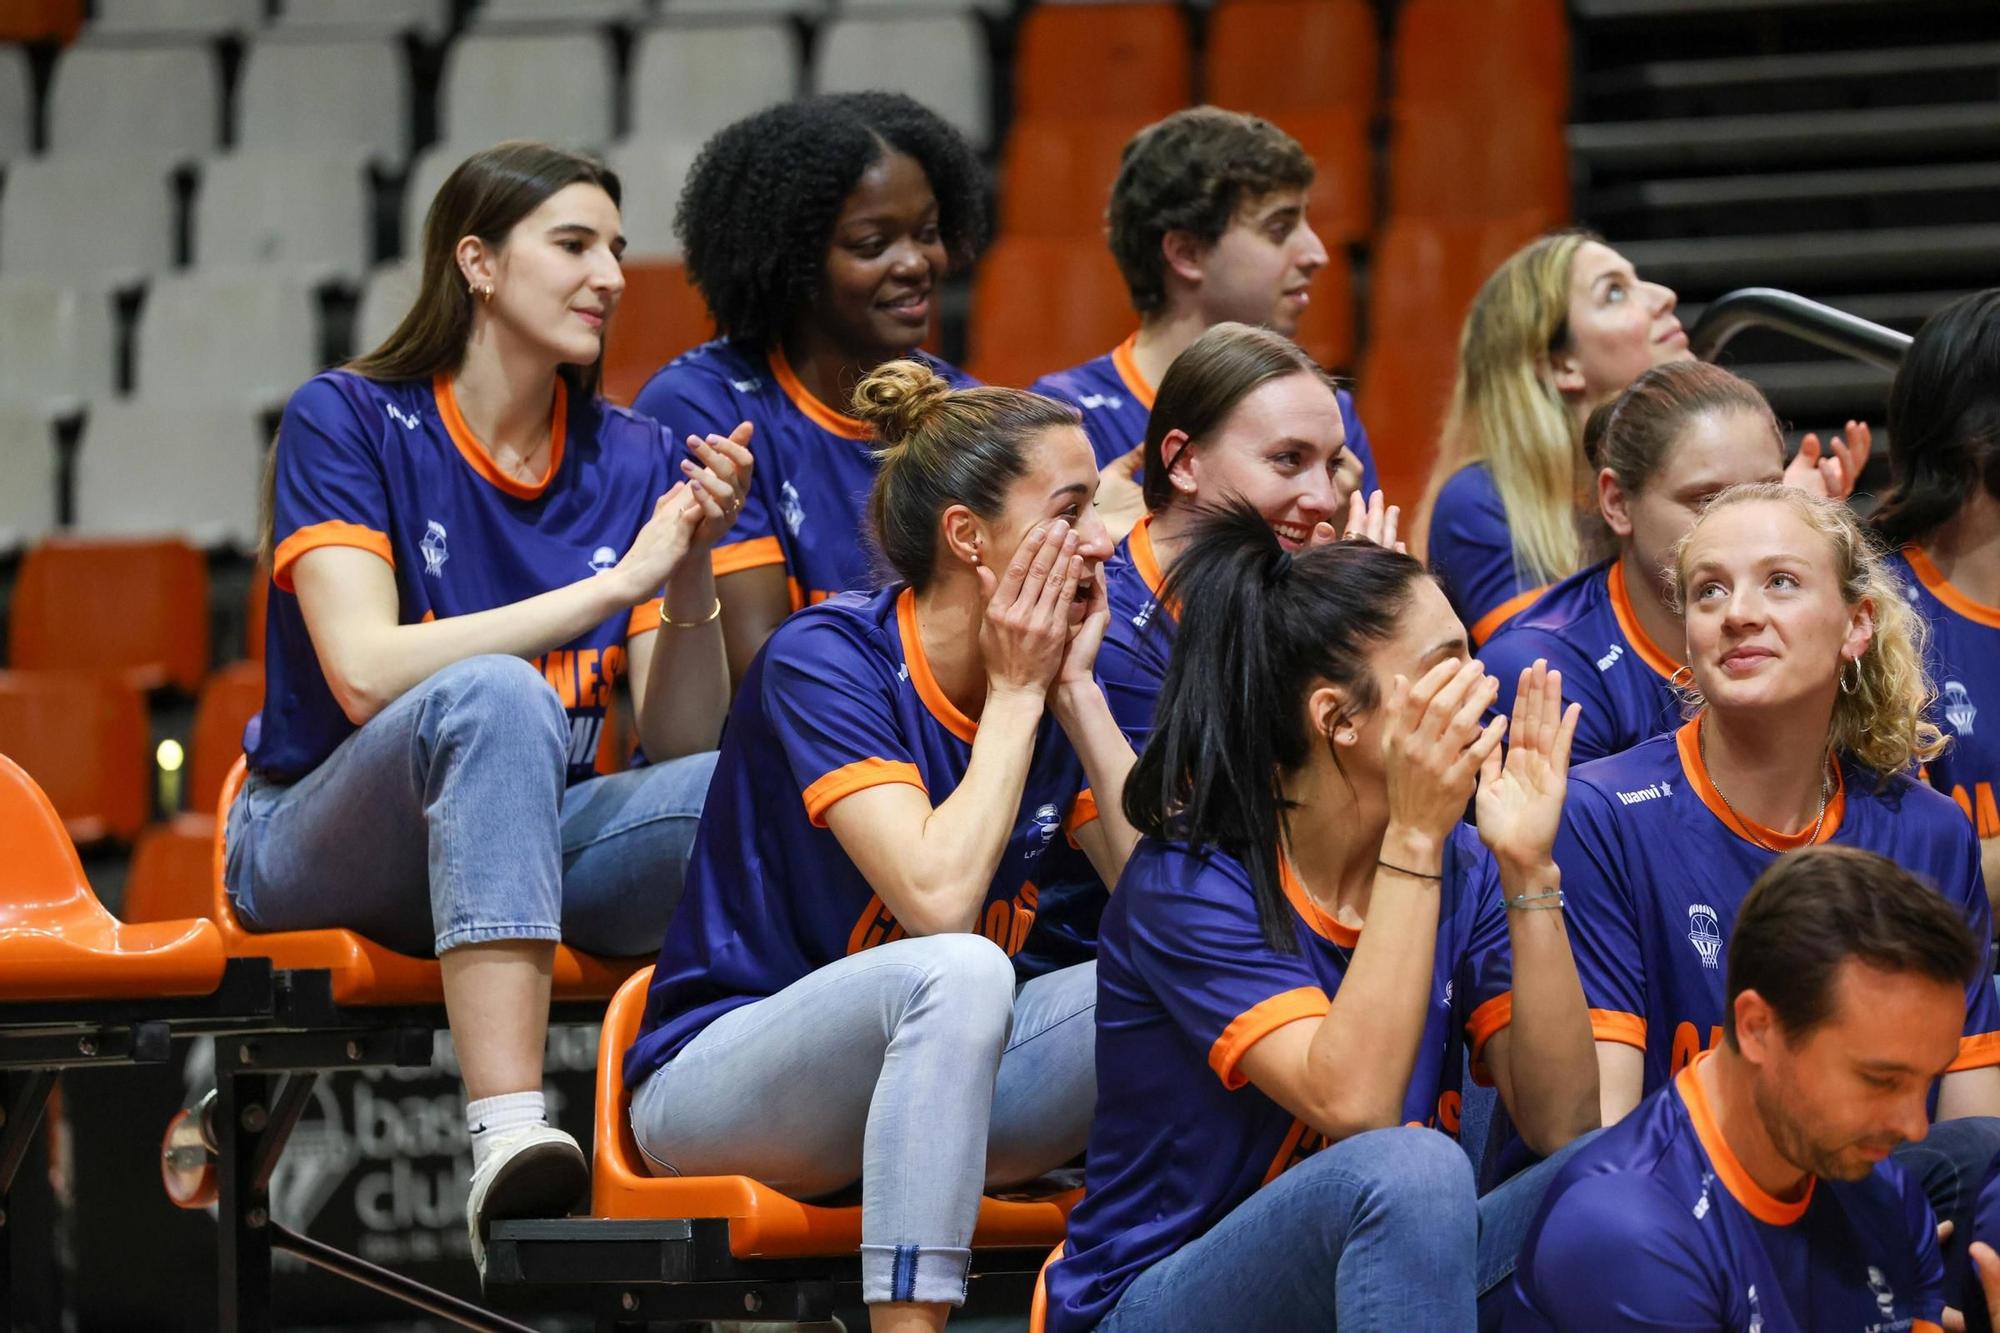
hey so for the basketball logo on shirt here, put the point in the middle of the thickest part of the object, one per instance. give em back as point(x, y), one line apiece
point(788, 505)
point(1048, 820)
point(603, 559)
point(1885, 1298)
point(1705, 934)
point(433, 548)
point(1958, 709)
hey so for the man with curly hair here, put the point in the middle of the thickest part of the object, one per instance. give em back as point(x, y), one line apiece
point(1208, 223)
point(818, 232)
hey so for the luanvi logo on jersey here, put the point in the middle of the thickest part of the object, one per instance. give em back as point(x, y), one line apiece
point(1958, 709)
point(1144, 615)
point(1705, 934)
point(604, 560)
point(789, 507)
point(433, 548)
point(1652, 791)
point(1092, 402)
point(1610, 659)
point(407, 420)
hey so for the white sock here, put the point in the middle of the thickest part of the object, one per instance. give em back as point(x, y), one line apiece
point(490, 1117)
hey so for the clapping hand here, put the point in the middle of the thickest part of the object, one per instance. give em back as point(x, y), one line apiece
point(1520, 797)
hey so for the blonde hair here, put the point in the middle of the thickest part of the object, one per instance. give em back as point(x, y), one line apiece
point(938, 446)
point(1883, 725)
point(1507, 412)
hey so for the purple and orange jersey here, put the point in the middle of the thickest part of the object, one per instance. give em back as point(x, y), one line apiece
point(1656, 1224)
point(392, 468)
point(809, 494)
point(840, 699)
point(1964, 664)
point(1186, 985)
point(1472, 553)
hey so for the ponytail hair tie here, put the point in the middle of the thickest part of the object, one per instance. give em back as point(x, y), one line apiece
point(1278, 568)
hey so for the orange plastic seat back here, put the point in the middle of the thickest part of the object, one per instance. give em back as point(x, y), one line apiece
point(1274, 56)
point(1483, 53)
point(618, 1166)
point(229, 699)
point(1326, 326)
point(83, 737)
point(1100, 60)
point(1403, 390)
point(138, 608)
point(1479, 162)
point(660, 316)
point(1057, 174)
point(1427, 270)
point(1045, 303)
point(40, 20)
point(168, 880)
point(1341, 204)
point(56, 940)
point(256, 611)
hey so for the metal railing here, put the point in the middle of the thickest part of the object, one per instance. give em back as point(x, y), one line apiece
point(1809, 321)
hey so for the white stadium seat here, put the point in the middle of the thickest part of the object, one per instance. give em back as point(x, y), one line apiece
point(17, 100)
point(514, 85)
point(186, 17)
point(305, 90)
point(305, 208)
point(689, 80)
point(110, 98)
point(388, 295)
point(230, 337)
point(427, 173)
point(939, 59)
point(108, 214)
point(58, 342)
point(651, 173)
point(569, 12)
point(427, 18)
point(28, 461)
point(739, 8)
point(152, 468)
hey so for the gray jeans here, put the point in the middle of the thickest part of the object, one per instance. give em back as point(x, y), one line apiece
point(914, 1068)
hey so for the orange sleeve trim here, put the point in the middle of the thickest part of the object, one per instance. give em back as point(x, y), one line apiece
point(1082, 811)
point(1925, 1326)
point(1485, 627)
point(1488, 1019)
point(739, 556)
point(1258, 1022)
point(1612, 1025)
point(333, 533)
point(1977, 1052)
point(850, 778)
point(645, 618)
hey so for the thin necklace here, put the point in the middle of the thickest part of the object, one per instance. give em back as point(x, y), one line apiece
point(1825, 794)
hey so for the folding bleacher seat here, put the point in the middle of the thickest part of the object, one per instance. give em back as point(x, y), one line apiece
point(304, 89)
point(1427, 270)
point(57, 342)
point(1273, 56)
point(233, 335)
point(169, 872)
point(109, 216)
point(257, 606)
point(651, 172)
point(158, 100)
point(1042, 303)
point(204, 18)
point(427, 172)
point(1326, 328)
point(388, 294)
point(539, 12)
point(517, 85)
point(1341, 205)
point(149, 467)
point(230, 697)
point(134, 610)
point(660, 316)
point(1451, 161)
point(691, 79)
point(1486, 53)
point(306, 208)
point(82, 737)
point(939, 59)
point(1056, 175)
point(28, 464)
point(40, 20)
point(1109, 59)
point(17, 104)
point(736, 8)
point(428, 19)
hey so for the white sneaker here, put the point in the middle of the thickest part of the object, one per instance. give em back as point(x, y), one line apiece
point(534, 1171)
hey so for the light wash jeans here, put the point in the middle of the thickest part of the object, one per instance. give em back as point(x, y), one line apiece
point(914, 1068)
point(444, 821)
point(1377, 1231)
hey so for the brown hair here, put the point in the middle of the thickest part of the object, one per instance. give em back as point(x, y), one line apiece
point(940, 446)
point(1815, 908)
point(1634, 432)
point(1218, 370)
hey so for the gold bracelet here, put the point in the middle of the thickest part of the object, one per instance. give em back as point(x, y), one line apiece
point(708, 619)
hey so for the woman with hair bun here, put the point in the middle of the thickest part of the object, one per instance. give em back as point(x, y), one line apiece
point(896, 768)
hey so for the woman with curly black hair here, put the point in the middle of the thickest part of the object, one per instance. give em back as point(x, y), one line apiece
point(817, 231)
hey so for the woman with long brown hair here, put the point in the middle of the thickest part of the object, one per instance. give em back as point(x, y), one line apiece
point(468, 551)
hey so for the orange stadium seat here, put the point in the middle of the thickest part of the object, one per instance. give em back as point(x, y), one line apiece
point(255, 607)
point(83, 737)
point(1483, 53)
point(1427, 270)
point(1056, 175)
point(228, 700)
point(1274, 56)
point(1448, 161)
point(1326, 329)
point(1342, 202)
point(1402, 392)
point(1045, 303)
point(137, 609)
point(1108, 59)
point(763, 1223)
point(168, 879)
point(660, 316)
point(40, 20)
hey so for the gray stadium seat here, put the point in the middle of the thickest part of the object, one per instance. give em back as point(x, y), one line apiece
point(387, 296)
point(181, 17)
point(164, 100)
point(427, 18)
point(652, 173)
point(305, 208)
point(28, 461)
point(304, 89)
point(519, 85)
point(427, 173)
point(691, 79)
point(232, 336)
point(541, 12)
point(153, 468)
point(17, 100)
point(939, 59)
point(58, 343)
point(104, 214)
point(740, 8)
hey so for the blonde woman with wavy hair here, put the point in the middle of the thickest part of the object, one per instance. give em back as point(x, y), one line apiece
point(1806, 699)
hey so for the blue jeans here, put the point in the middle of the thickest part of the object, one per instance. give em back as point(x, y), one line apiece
point(1950, 1163)
point(914, 1068)
point(1377, 1231)
point(443, 821)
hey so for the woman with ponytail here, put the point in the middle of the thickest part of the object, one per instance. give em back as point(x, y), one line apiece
point(895, 770)
point(1807, 704)
point(1304, 941)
